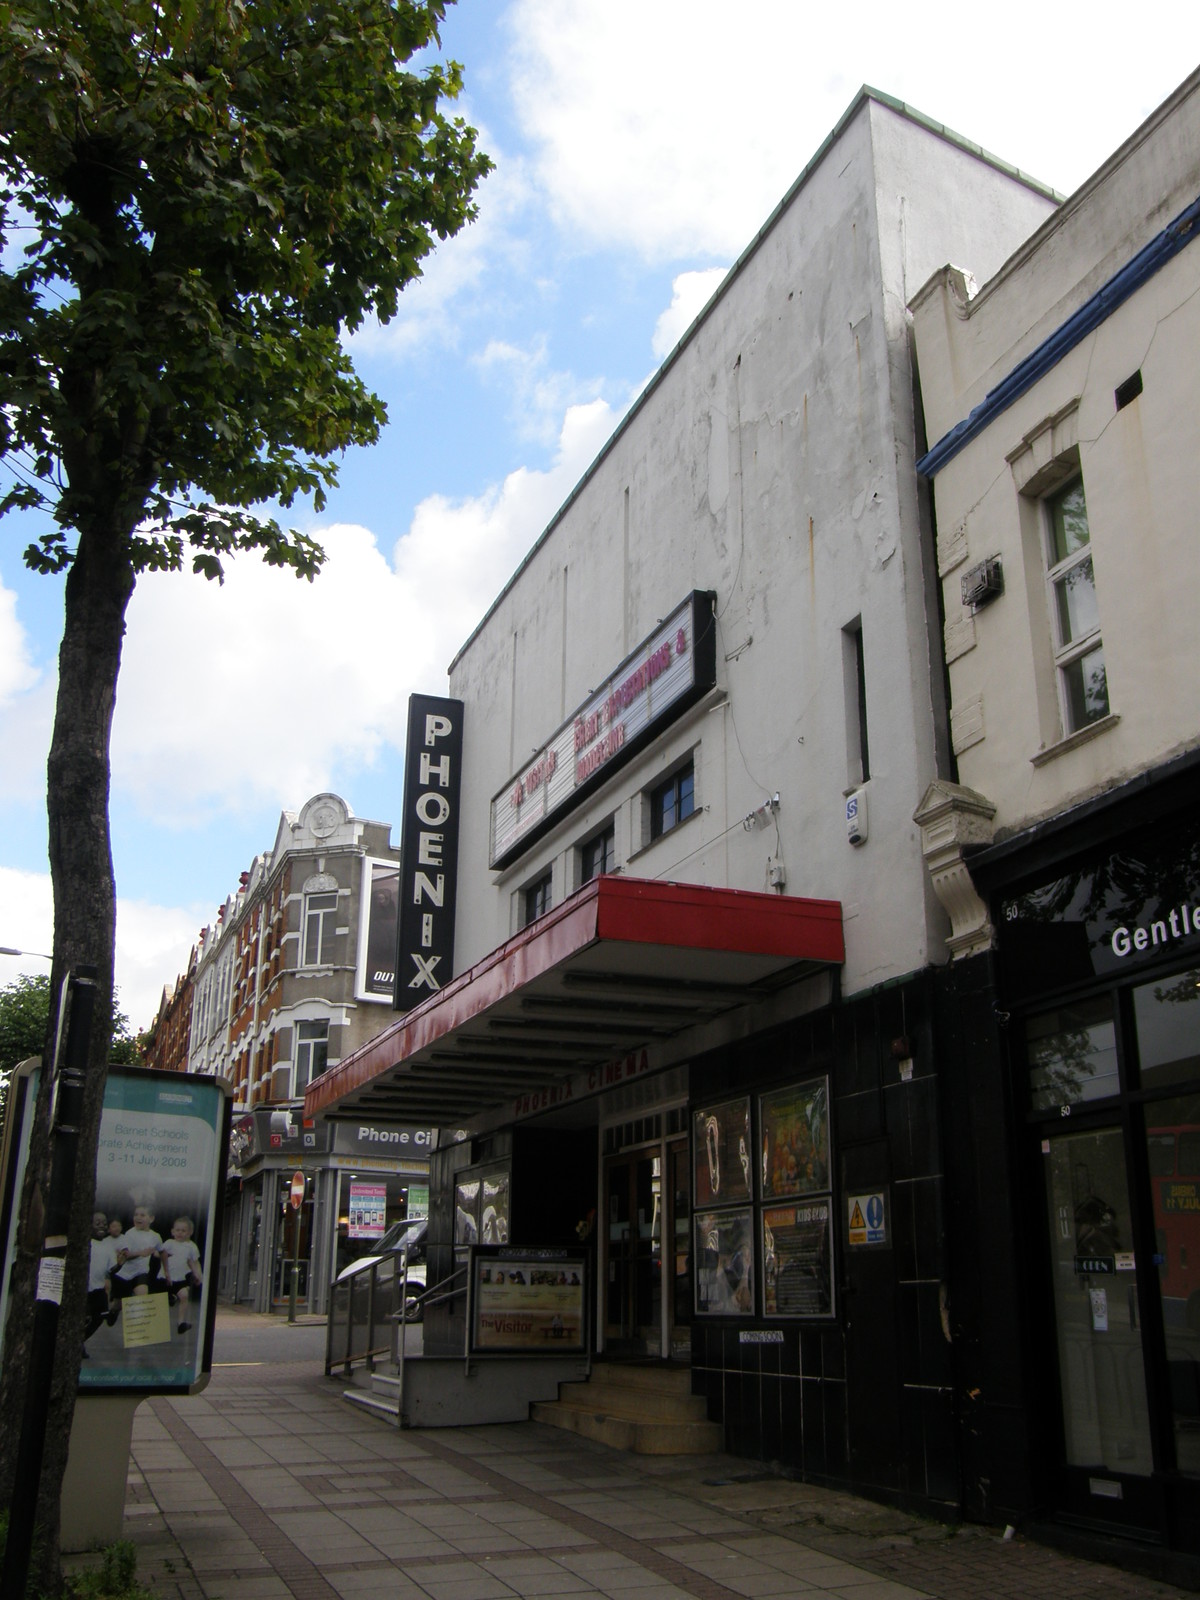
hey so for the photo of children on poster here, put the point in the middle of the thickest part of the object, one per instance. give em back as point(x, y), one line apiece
point(153, 1193)
point(160, 1158)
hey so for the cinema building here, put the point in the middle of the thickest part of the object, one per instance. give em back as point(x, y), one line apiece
point(1061, 399)
point(695, 1019)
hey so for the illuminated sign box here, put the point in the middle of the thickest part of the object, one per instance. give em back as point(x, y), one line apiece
point(156, 1227)
point(667, 672)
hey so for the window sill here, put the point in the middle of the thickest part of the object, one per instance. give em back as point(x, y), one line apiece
point(1073, 740)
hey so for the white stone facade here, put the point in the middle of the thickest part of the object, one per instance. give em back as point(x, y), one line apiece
point(769, 462)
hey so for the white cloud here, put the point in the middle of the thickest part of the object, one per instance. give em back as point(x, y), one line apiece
point(26, 919)
point(17, 671)
point(234, 696)
point(236, 693)
point(690, 293)
point(540, 396)
point(463, 275)
point(151, 940)
point(669, 129)
point(26, 711)
point(487, 536)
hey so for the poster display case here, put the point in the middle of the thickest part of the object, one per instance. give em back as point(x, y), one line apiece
point(528, 1301)
point(481, 1205)
point(725, 1263)
point(156, 1222)
point(722, 1165)
point(794, 1129)
point(797, 1260)
point(768, 1222)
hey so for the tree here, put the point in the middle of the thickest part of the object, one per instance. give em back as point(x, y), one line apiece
point(214, 190)
point(25, 1016)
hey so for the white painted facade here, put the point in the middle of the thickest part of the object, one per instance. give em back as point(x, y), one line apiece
point(1014, 744)
point(770, 462)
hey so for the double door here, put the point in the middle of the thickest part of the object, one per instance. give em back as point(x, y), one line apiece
point(646, 1271)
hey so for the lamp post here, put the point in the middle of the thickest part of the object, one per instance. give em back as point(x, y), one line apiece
point(39, 955)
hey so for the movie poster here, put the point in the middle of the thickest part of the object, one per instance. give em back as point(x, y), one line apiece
point(725, 1263)
point(721, 1154)
point(795, 1140)
point(529, 1300)
point(797, 1260)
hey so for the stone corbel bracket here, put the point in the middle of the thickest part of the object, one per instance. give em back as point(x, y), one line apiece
point(951, 817)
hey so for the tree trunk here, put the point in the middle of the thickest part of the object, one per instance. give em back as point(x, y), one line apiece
point(98, 589)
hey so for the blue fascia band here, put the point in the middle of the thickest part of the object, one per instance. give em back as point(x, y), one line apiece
point(1149, 260)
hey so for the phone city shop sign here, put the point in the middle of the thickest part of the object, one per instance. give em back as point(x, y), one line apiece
point(663, 676)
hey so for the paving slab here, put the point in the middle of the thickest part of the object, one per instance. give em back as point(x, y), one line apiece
point(269, 1486)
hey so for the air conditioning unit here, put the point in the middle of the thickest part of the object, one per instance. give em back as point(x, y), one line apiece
point(983, 583)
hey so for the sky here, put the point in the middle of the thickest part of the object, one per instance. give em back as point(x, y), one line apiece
point(639, 145)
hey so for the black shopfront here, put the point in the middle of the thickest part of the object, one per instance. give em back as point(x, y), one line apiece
point(1097, 1001)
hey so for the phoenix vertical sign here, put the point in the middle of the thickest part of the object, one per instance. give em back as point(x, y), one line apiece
point(428, 849)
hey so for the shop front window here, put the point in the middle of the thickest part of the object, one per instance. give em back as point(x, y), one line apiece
point(1071, 1053)
point(1168, 1028)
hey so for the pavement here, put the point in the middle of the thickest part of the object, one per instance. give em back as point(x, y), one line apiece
point(268, 1485)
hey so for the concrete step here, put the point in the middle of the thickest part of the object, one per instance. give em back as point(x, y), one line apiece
point(652, 1377)
point(607, 1393)
point(379, 1405)
point(649, 1437)
point(647, 1409)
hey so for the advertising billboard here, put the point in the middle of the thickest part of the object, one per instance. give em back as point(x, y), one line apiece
point(377, 933)
point(160, 1169)
point(667, 672)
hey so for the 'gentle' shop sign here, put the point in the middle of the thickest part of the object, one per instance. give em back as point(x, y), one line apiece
point(664, 675)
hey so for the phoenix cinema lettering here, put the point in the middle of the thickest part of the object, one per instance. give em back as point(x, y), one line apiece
point(429, 849)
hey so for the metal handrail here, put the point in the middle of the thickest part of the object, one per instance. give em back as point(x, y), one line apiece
point(428, 1298)
point(344, 1293)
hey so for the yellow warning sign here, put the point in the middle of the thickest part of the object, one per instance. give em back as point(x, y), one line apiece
point(867, 1218)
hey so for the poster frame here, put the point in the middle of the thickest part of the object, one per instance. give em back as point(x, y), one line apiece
point(13, 1154)
point(734, 1216)
point(513, 1258)
point(378, 988)
point(775, 1107)
point(794, 1204)
point(719, 1160)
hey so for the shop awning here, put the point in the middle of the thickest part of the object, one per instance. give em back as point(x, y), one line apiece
point(620, 965)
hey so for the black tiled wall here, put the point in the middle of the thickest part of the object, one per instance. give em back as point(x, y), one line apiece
point(864, 1399)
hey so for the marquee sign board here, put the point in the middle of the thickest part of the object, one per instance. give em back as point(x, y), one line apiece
point(666, 673)
point(428, 849)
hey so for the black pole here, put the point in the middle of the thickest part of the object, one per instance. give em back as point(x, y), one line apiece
point(70, 1073)
point(296, 1210)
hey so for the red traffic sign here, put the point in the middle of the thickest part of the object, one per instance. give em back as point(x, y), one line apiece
point(296, 1192)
